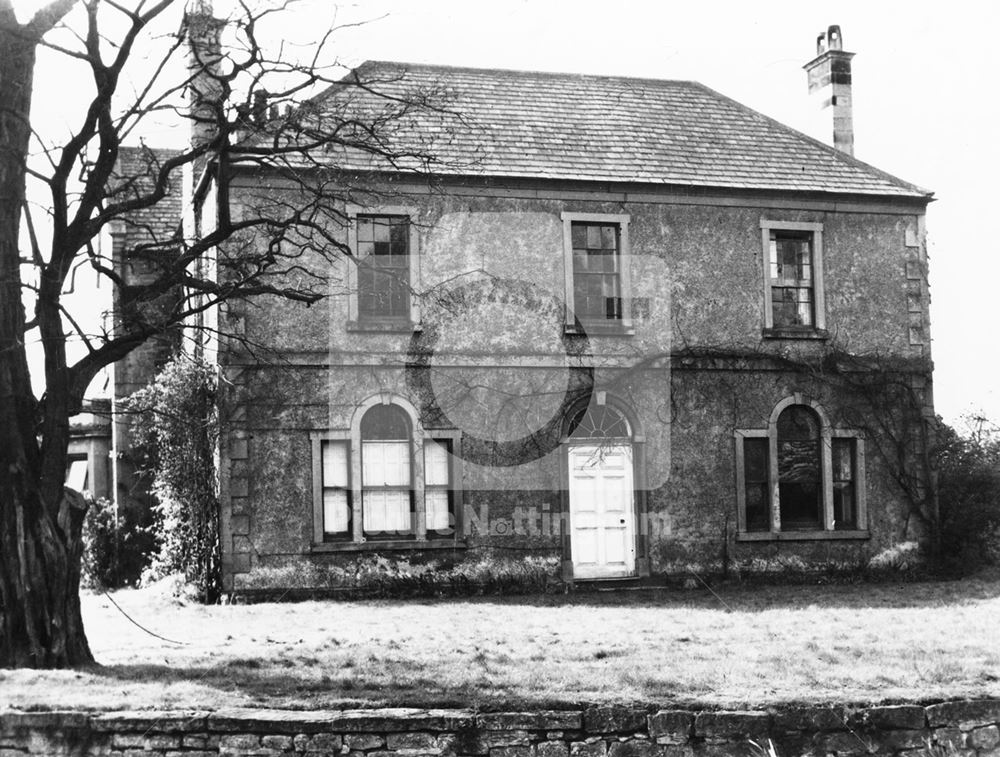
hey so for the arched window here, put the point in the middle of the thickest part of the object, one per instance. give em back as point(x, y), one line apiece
point(800, 481)
point(386, 472)
point(386, 477)
point(800, 476)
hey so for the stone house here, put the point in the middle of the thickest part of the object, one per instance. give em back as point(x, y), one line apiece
point(591, 331)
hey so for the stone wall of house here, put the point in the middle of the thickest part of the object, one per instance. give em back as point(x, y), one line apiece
point(701, 287)
point(966, 728)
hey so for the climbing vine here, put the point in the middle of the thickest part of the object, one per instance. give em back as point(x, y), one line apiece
point(178, 417)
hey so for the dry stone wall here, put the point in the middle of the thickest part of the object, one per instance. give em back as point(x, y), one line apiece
point(967, 728)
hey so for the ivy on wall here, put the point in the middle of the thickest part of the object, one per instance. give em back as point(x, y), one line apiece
point(178, 417)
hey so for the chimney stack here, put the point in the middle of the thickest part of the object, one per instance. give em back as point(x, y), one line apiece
point(830, 83)
point(203, 34)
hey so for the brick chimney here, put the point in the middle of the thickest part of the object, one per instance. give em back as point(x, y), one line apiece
point(830, 84)
point(203, 33)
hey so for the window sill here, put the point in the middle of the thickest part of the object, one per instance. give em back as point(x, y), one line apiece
point(376, 545)
point(599, 329)
point(801, 535)
point(794, 333)
point(384, 327)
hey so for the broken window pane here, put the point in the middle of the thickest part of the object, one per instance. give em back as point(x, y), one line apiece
point(383, 266)
point(791, 279)
point(596, 271)
point(800, 487)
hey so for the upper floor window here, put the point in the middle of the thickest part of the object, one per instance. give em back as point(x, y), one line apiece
point(382, 280)
point(800, 478)
point(793, 292)
point(597, 272)
point(383, 267)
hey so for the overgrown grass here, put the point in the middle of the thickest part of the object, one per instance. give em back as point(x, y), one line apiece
point(740, 647)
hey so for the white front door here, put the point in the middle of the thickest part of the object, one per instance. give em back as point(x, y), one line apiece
point(602, 510)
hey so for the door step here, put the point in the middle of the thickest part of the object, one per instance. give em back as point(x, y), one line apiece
point(612, 584)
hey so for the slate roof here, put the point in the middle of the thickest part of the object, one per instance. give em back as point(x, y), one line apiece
point(133, 176)
point(600, 128)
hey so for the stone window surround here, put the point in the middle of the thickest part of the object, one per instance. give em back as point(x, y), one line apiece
point(818, 329)
point(357, 540)
point(827, 433)
point(625, 325)
point(354, 321)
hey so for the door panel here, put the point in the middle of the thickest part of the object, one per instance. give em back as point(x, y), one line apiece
point(602, 510)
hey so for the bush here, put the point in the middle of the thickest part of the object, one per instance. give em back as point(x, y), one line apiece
point(969, 496)
point(116, 547)
point(178, 419)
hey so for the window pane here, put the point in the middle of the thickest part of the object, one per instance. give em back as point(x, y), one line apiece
point(336, 511)
point(755, 464)
point(609, 237)
point(386, 511)
point(800, 505)
point(385, 464)
point(798, 423)
point(437, 504)
point(436, 463)
point(594, 237)
point(385, 422)
point(335, 464)
point(76, 476)
point(844, 510)
point(758, 510)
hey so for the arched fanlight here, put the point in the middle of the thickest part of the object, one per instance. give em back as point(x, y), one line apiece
point(599, 422)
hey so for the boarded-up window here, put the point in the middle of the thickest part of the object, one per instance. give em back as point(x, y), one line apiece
point(336, 489)
point(383, 266)
point(597, 286)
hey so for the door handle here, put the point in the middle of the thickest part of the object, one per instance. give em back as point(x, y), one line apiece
point(622, 521)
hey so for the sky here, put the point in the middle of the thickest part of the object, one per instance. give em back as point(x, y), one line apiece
point(925, 105)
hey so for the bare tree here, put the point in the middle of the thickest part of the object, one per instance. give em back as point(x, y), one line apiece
point(273, 246)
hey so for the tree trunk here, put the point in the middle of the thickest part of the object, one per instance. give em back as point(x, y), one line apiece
point(40, 522)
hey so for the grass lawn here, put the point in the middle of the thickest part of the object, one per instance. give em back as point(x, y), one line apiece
point(744, 647)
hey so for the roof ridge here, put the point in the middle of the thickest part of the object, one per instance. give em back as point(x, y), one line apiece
point(533, 72)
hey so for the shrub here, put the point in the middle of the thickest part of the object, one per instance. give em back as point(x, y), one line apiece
point(116, 547)
point(178, 418)
point(969, 496)
point(379, 576)
point(904, 557)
